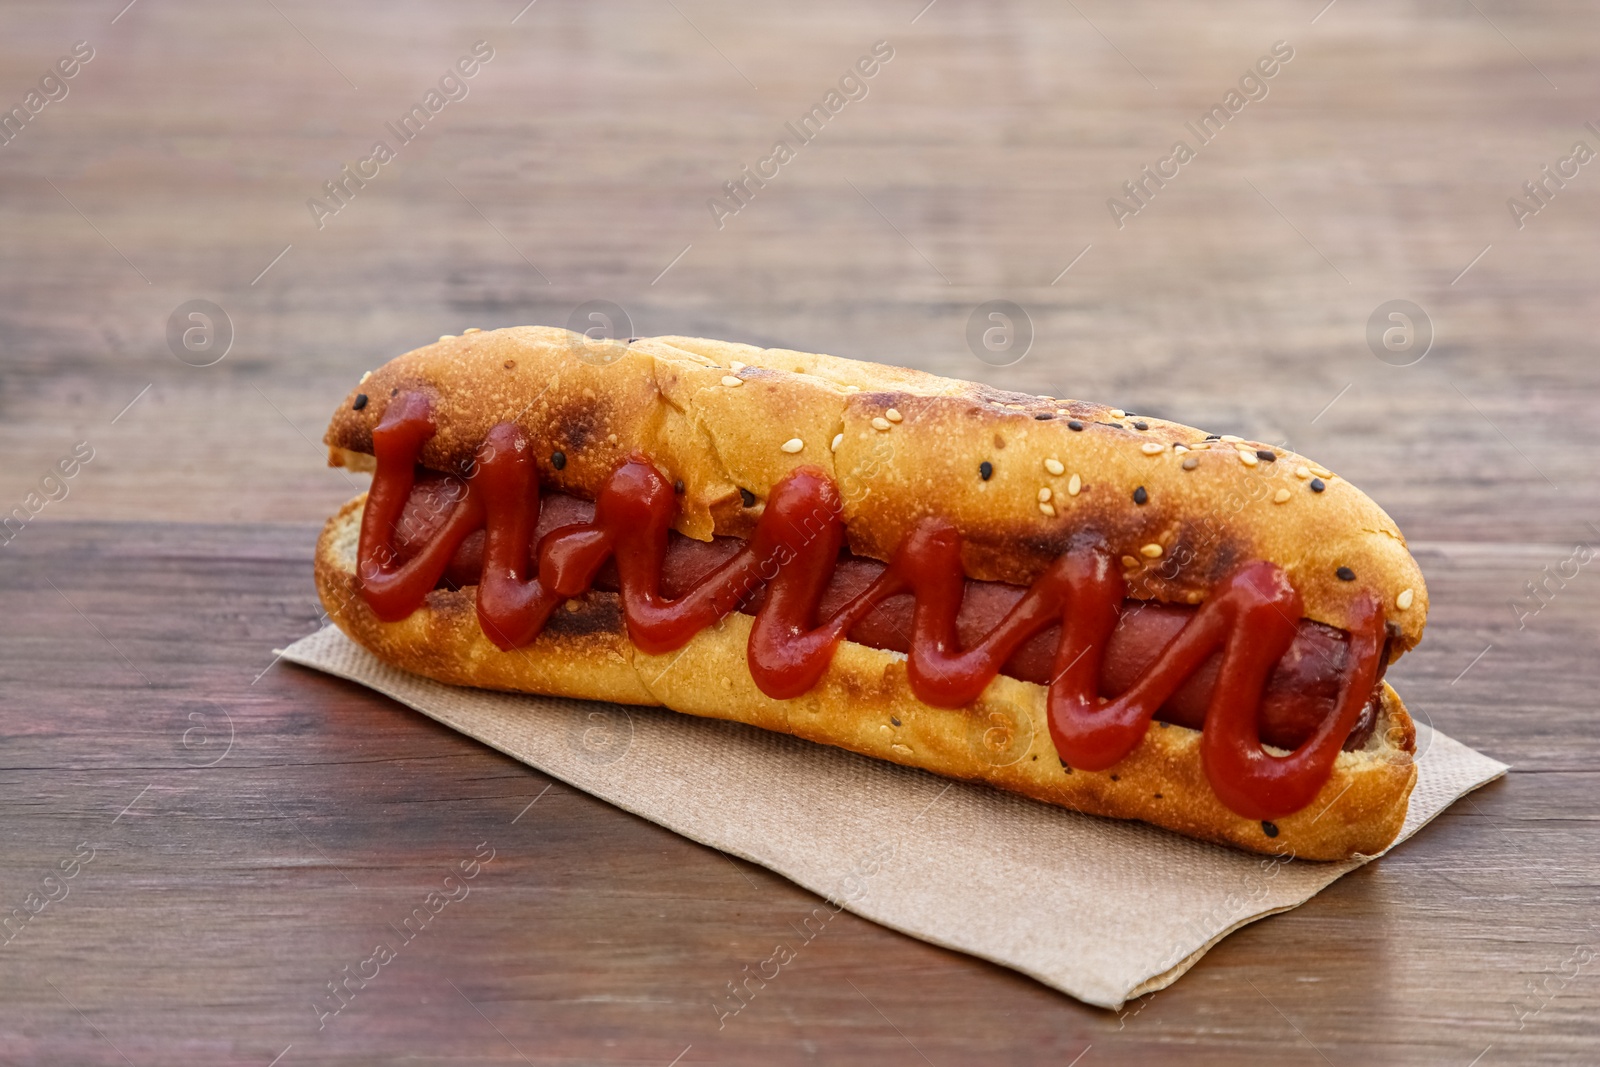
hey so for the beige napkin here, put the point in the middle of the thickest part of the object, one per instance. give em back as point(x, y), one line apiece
point(1100, 909)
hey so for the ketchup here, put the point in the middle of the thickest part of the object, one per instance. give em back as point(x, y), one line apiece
point(1250, 617)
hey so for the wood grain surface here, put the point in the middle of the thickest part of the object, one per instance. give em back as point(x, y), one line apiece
point(239, 831)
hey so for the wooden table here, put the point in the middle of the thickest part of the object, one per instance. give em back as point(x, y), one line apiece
point(244, 830)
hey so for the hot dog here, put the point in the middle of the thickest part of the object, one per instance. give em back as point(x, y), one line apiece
point(1098, 610)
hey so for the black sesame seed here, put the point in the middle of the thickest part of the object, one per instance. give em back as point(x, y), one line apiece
point(1044, 416)
point(1114, 778)
point(359, 402)
point(1118, 425)
point(1074, 424)
point(1270, 829)
point(1066, 766)
point(558, 460)
point(1141, 426)
point(1213, 437)
point(986, 470)
point(1158, 796)
point(748, 497)
point(894, 720)
point(1267, 454)
point(677, 487)
point(1318, 485)
point(395, 391)
point(1346, 574)
point(1140, 496)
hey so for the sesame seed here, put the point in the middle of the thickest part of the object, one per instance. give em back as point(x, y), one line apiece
point(1230, 438)
point(1044, 494)
point(364, 376)
point(558, 460)
point(1074, 424)
point(1140, 496)
point(1152, 448)
point(893, 415)
point(1191, 462)
point(1180, 449)
point(1118, 413)
point(1302, 473)
point(1281, 496)
point(1041, 396)
point(359, 402)
point(1046, 508)
point(1074, 484)
point(1248, 459)
point(838, 439)
point(852, 388)
point(472, 329)
point(1266, 455)
point(1270, 829)
point(1141, 426)
point(880, 423)
point(1317, 485)
point(1345, 574)
point(1053, 465)
point(1129, 561)
point(737, 366)
point(1044, 416)
point(1403, 601)
point(1321, 472)
point(447, 337)
point(986, 470)
point(747, 497)
point(730, 381)
point(792, 445)
point(1213, 437)
point(1151, 551)
point(677, 487)
point(509, 364)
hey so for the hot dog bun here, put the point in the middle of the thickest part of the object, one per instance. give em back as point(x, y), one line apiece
point(908, 445)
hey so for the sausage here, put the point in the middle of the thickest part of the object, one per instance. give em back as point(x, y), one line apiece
point(1300, 693)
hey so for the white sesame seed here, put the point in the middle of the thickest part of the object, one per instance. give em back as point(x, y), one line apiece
point(364, 376)
point(1231, 439)
point(472, 329)
point(1152, 448)
point(1044, 494)
point(1046, 508)
point(737, 366)
point(1053, 465)
point(792, 445)
point(730, 381)
point(1249, 459)
point(1118, 413)
point(880, 423)
point(1321, 473)
point(1151, 551)
point(892, 415)
point(1041, 396)
point(1302, 473)
point(1180, 449)
point(838, 439)
point(1074, 484)
point(1191, 462)
point(1281, 496)
point(447, 337)
point(1403, 601)
point(852, 388)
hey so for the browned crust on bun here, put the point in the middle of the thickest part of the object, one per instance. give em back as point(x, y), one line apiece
point(864, 703)
point(910, 445)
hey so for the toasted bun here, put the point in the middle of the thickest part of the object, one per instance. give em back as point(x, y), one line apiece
point(909, 445)
point(864, 703)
